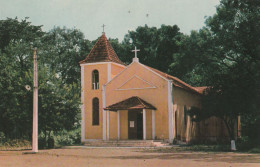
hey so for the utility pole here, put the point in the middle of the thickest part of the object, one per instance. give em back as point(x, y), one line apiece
point(35, 103)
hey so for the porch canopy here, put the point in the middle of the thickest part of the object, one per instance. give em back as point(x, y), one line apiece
point(133, 102)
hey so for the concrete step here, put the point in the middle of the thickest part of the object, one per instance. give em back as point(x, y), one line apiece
point(126, 143)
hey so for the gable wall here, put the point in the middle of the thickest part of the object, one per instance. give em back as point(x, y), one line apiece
point(155, 96)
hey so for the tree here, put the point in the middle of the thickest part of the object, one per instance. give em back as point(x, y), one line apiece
point(157, 46)
point(59, 87)
point(234, 78)
point(62, 49)
point(196, 56)
point(16, 59)
point(123, 49)
point(13, 30)
point(58, 103)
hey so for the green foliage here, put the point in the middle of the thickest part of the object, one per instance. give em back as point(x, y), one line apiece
point(61, 51)
point(42, 142)
point(64, 137)
point(15, 60)
point(250, 124)
point(195, 56)
point(58, 78)
point(50, 142)
point(2, 138)
point(15, 144)
point(194, 148)
point(57, 102)
point(232, 71)
point(13, 31)
point(123, 49)
point(157, 46)
point(255, 150)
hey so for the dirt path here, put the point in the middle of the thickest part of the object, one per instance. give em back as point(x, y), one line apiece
point(125, 157)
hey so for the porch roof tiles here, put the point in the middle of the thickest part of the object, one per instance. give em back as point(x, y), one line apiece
point(134, 102)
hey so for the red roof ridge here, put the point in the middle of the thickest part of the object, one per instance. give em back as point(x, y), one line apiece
point(176, 81)
point(201, 88)
point(108, 54)
point(140, 100)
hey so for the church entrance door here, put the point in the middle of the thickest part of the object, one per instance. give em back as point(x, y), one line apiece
point(135, 124)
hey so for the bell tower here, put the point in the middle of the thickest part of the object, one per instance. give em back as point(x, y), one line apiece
point(96, 72)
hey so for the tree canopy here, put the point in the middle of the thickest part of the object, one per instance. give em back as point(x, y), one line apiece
point(233, 74)
point(59, 87)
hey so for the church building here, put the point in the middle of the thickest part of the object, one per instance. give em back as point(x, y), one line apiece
point(135, 101)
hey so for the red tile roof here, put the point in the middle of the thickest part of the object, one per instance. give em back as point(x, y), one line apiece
point(130, 103)
point(201, 89)
point(177, 82)
point(102, 52)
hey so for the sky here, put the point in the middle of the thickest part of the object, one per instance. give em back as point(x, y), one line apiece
point(119, 16)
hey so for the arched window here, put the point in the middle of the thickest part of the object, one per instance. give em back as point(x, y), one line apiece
point(95, 79)
point(95, 111)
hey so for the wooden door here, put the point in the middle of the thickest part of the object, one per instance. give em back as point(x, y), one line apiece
point(132, 124)
point(139, 121)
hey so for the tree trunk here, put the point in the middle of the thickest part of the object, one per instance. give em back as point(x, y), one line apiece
point(230, 127)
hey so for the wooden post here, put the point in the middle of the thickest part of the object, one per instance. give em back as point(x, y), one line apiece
point(107, 124)
point(35, 103)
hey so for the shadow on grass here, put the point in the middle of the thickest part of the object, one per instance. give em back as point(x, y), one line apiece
point(207, 153)
point(206, 157)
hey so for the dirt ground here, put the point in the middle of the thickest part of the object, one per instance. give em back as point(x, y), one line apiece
point(84, 157)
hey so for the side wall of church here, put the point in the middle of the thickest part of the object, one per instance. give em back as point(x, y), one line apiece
point(184, 128)
point(153, 90)
point(212, 129)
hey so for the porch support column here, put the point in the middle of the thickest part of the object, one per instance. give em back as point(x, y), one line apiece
point(144, 124)
point(104, 122)
point(108, 125)
point(118, 125)
point(153, 124)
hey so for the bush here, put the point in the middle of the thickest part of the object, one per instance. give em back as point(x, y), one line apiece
point(255, 150)
point(50, 142)
point(16, 144)
point(68, 137)
point(2, 138)
point(245, 143)
point(41, 143)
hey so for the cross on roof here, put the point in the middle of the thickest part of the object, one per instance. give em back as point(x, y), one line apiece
point(135, 50)
point(103, 27)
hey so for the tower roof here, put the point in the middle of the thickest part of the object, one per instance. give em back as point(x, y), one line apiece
point(102, 52)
